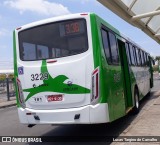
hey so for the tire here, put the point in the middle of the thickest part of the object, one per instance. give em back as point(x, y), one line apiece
point(149, 94)
point(136, 101)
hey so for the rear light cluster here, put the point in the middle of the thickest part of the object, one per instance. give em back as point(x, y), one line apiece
point(20, 94)
point(84, 14)
point(19, 28)
point(95, 86)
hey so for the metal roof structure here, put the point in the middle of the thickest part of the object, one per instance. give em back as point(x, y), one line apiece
point(7, 71)
point(144, 14)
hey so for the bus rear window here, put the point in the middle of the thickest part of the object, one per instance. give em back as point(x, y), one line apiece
point(54, 40)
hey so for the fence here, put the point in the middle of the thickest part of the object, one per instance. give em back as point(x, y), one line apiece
point(7, 89)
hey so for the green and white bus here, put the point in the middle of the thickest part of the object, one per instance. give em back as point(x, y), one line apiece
point(77, 69)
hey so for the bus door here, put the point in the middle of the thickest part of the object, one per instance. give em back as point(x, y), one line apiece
point(113, 76)
point(126, 74)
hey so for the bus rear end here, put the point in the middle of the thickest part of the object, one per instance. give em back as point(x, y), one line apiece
point(56, 82)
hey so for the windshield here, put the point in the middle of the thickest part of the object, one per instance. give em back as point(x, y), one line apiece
point(53, 40)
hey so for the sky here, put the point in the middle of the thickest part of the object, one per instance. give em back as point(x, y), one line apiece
point(16, 13)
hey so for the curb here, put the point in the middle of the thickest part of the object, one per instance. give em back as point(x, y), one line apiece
point(7, 105)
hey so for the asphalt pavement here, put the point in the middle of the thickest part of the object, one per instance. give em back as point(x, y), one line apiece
point(4, 103)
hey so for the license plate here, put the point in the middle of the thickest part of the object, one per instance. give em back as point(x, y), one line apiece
point(53, 98)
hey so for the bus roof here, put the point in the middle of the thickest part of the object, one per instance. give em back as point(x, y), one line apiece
point(72, 16)
point(53, 19)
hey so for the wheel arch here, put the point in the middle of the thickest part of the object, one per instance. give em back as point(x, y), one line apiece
point(135, 88)
point(136, 99)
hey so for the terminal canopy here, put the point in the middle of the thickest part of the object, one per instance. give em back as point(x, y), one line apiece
point(8, 71)
point(144, 14)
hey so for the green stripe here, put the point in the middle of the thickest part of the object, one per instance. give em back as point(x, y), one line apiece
point(15, 67)
point(55, 85)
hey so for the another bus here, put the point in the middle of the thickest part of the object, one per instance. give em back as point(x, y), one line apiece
point(77, 69)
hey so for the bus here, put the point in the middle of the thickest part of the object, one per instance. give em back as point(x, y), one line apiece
point(77, 69)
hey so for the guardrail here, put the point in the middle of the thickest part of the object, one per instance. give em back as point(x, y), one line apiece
point(7, 88)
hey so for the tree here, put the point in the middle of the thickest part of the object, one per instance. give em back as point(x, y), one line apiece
point(158, 59)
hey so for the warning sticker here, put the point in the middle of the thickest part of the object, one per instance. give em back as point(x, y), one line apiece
point(20, 71)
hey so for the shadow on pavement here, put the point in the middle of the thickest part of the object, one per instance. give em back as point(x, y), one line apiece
point(90, 133)
point(77, 134)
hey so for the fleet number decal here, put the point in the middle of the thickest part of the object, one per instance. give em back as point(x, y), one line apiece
point(41, 76)
point(38, 99)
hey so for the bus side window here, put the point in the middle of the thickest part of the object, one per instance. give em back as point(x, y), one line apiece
point(106, 45)
point(132, 54)
point(145, 61)
point(113, 47)
point(142, 58)
point(135, 56)
point(138, 58)
point(139, 52)
point(128, 54)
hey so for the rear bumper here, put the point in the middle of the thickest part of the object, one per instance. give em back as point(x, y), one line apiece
point(90, 114)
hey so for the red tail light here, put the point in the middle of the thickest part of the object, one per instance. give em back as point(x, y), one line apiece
point(84, 14)
point(20, 93)
point(52, 61)
point(19, 28)
point(95, 85)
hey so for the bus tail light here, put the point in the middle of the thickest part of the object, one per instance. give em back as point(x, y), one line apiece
point(20, 93)
point(95, 86)
point(84, 14)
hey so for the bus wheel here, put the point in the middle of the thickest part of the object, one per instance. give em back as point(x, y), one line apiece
point(136, 101)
